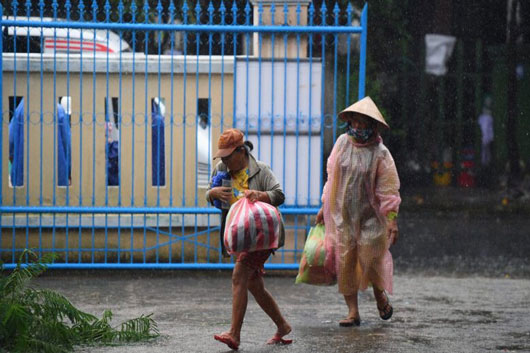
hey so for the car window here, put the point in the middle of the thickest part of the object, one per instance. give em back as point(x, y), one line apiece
point(59, 39)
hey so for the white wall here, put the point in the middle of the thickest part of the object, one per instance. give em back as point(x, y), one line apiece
point(292, 107)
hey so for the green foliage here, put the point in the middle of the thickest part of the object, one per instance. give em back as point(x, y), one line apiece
point(40, 320)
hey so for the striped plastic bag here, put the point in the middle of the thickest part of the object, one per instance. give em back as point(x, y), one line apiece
point(312, 268)
point(252, 226)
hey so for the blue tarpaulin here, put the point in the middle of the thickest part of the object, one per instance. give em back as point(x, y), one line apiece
point(113, 159)
point(64, 148)
point(157, 145)
point(112, 136)
point(16, 145)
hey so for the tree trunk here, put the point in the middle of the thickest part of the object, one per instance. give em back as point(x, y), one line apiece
point(511, 121)
point(443, 13)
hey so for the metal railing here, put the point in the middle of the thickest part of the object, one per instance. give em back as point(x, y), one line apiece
point(110, 114)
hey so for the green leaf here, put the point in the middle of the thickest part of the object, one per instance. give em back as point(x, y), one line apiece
point(41, 320)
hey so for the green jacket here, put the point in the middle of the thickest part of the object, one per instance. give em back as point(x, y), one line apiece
point(261, 178)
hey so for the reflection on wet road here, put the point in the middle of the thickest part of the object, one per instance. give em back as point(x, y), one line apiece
point(431, 313)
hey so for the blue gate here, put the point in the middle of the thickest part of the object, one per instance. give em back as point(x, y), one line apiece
point(110, 114)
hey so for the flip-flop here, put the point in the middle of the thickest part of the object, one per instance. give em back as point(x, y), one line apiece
point(226, 339)
point(277, 339)
point(387, 310)
point(348, 322)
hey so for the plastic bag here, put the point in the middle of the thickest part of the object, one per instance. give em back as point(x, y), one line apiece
point(252, 227)
point(312, 268)
point(217, 180)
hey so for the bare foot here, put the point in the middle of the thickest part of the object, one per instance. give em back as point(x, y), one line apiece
point(282, 331)
point(227, 339)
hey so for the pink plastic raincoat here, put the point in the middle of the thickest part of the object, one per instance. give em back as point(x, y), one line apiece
point(362, 188)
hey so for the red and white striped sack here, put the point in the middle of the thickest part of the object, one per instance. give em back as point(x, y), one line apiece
point(252, 226)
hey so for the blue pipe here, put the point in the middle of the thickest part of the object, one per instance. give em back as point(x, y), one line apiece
point(135, 210)
point(186, 28)
point(148, 266)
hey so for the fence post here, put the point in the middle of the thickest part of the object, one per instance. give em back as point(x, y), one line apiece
point(459, 101)
point(1, 115)
point(424, 158)
point(478, 95)
point(362, 58)
point(405, 121)
point(441, 121)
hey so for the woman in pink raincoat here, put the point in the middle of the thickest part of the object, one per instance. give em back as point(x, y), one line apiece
point(360, 202)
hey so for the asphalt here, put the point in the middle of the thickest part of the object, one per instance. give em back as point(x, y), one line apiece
point(431, 313)
point(461, 284)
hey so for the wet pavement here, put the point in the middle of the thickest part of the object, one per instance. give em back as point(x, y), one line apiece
point(462, 284)
point(431, 313)
point(458, 243)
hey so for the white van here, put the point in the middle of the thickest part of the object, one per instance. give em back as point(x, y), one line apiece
point(59, 40)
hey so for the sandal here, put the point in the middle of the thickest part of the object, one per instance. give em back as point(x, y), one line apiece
point(277, 339)
point(228, 340)
point(350, 321)
point(386, 311)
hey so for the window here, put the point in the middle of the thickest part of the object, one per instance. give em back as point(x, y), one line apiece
point(203, 142)
point(13, 104)
point(20, 42)
point(112, 136)
point(203, 112)
point(158, 156)
point(16, 141)
point(64, 141)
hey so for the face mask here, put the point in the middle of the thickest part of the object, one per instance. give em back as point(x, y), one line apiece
point(361, 135)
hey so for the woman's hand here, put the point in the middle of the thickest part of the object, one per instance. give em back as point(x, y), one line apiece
point(392, 231)
point(222, 193)
point(255, 195)
point(320, 216)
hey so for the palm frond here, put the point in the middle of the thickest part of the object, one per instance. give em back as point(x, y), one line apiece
point(39, 345)
point(141, 328)
point(58, 306)
point(41, 320)
point(16, 282)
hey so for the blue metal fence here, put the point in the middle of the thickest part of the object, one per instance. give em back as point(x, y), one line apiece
point(119, 107)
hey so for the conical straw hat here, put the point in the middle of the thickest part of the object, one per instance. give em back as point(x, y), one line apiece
point(365, 106)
